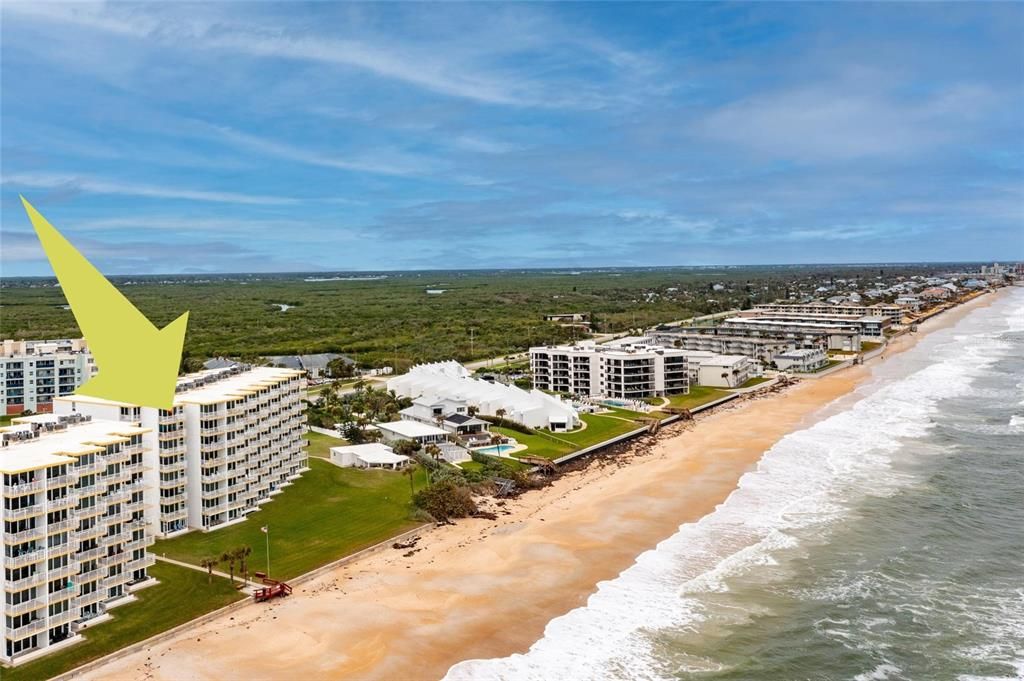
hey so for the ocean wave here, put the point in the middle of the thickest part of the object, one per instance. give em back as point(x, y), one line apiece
point(805, 481)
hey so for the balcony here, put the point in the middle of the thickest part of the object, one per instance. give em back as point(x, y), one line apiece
point(66, 501)
point(62, 526)
point(24, 536)
point(90, 533)
point(22, 513)
point(91, 575)
point(24, 488)
point(140, 563)
point(89, 554)
point(26, 582)
point(172, 467)
point(33, 627)
point(89, 598)
point(145, 542)
point(23, 607)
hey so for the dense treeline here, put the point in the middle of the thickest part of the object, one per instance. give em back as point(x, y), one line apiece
point(379, 321)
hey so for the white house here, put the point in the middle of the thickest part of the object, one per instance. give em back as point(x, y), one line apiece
point(424, 434)
point(370, 455)
point(725, 371)
point(805, 359)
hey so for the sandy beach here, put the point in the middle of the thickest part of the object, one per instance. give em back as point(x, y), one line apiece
point(486, 588)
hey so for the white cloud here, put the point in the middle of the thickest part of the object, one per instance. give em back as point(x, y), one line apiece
point(75, 183)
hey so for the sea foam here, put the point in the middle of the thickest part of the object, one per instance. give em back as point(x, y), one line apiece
point(802, 481)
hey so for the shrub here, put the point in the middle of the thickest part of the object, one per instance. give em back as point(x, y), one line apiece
point(445, 500)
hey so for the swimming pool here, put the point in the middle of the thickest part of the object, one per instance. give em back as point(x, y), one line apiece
point(495, 449)
point(616, 403)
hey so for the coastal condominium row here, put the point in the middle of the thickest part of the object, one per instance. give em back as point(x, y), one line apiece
point(35, 372)
point(87, 489)
point(74, 531)
point(232, 441)
point(894, 313)
point(629, 371)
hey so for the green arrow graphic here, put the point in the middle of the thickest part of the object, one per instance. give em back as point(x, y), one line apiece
point(138, 362)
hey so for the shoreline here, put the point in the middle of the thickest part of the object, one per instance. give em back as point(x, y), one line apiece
point(460, 597)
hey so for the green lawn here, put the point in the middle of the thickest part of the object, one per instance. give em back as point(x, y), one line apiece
point(827, 365)
point(869, 346)
point(320, 444)
point(755, 380)
point(181, 595)
point(554, 445)
point(697, 396)
point(599, 428)
point(537, 445)
point(327, 514)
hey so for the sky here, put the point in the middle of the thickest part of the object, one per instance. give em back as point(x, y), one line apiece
point(251, 137)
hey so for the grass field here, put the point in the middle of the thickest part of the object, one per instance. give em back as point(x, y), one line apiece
point(537, 445)
point(320, 444)
point(755, 380)
point(827, 365)
point(697, 396)
point(181, 595)
point(554, 445)
point(327, 514)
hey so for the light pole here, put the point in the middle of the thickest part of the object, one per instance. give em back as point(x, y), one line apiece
point(266, 531)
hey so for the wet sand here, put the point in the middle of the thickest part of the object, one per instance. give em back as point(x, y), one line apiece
point(487, 588)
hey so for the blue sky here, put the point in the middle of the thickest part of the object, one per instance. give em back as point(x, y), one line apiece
point(231, 137)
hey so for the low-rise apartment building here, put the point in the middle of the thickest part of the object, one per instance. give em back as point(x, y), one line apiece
point(35, 372)
point(712, 340)
point(621, 372)
point(232, 441)
point(725, 371)
point(868, 326)
point(74, 528)
point(835, 335)
point(894, 313)
point(805, 359)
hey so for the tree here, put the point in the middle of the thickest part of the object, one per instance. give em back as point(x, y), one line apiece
point(209, 564)
point(243, 553)
point(500, 413)
point(472, 410)
point(433, 451)
point(341, 367)
point(229, 557)
point(446, 500)
point(410, 472)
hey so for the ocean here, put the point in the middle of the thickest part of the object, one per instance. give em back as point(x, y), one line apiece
point(886, 541)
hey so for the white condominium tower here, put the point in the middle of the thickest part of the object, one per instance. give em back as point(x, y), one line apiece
point(631, 371)
point(74, 530)
point(34, 372)
point(232, 441)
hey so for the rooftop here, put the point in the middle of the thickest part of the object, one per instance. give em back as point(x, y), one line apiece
point(66, 440)
point(411, 429)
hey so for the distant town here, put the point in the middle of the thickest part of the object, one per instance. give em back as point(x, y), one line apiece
point(227, 490)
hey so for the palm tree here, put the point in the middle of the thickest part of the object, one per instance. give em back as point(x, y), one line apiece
point(434, 451)
point(229, 557)
point(472, 410)
point(209, 564)
point(501, 416)
point(410, 472)
point(243, 553)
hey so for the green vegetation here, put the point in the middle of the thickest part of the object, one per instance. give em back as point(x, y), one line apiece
point(869, 346)
point(755, 380)
point(392, 320)
point(555, 445)
point(599, 428)
point(828, 365)
point(181, 595)
point(697, 396)
point(542, 445)
point(320, 444)
point(327, 514)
